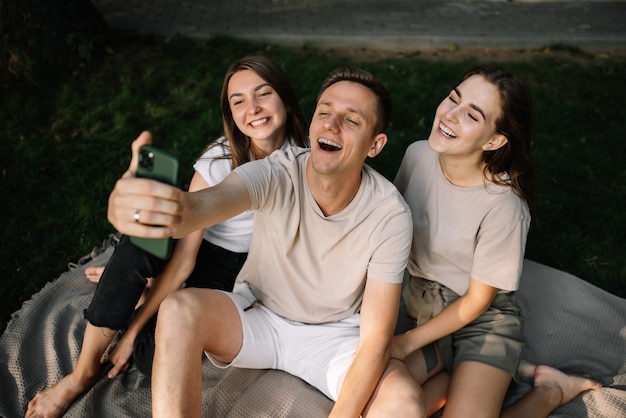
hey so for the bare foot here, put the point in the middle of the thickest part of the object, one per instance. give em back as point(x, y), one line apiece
point(93, 274)
point(53, 402)
point(569, 385)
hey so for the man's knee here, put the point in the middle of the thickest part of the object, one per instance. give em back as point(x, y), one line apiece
point(397, 394)
point(178, 309)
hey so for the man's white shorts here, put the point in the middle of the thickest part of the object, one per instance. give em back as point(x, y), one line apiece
point(319, 354)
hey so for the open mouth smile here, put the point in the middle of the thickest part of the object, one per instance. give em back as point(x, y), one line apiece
point(327, 145)
point(446, 131)
point(259, 122)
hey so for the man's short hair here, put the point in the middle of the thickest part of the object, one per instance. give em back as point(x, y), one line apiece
point(360, 76)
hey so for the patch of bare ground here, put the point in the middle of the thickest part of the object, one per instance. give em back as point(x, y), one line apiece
point(491, 54)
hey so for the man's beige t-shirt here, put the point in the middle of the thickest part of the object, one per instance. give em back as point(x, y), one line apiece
point(461, 232)
point(310, 268)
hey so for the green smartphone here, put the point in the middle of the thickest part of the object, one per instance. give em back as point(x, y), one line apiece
point(157, 165)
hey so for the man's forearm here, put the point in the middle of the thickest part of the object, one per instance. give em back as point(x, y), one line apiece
point(360, 382)
point(211, 206)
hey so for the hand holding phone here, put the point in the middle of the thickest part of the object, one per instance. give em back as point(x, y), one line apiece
point(161, 166)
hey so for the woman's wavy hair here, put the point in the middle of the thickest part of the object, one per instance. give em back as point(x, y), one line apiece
point(296, 127)
point(515, 124)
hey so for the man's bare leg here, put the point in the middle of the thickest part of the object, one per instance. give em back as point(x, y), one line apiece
point(190, 322)
point(54, 401)
point(552, 388)
point(397, 394)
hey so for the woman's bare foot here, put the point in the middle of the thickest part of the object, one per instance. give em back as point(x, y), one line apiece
point(569, 385)
point(54, 401)
point(93, 274)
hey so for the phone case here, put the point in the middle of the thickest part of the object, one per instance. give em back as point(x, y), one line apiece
point(161, 166)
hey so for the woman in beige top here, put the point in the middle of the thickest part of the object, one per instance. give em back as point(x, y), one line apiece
point(469, 190)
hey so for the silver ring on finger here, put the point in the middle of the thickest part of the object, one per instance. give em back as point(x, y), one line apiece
point(137, 216)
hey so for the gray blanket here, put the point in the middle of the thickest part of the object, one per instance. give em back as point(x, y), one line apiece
point(570, 325)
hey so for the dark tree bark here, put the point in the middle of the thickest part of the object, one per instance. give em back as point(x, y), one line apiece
point(41, 39)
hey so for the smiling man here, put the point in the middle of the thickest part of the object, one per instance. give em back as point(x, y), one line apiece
point(319, 292)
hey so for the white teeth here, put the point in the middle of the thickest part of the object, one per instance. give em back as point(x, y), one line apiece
point(446, 131)
point(259, 122)
point(330, 143)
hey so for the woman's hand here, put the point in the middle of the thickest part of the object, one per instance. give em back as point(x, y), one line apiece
point(399, 346)
point(120, 357)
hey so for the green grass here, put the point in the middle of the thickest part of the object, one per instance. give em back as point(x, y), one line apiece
point(62, 147)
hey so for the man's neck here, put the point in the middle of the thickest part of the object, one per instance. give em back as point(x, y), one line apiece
point(331, 193)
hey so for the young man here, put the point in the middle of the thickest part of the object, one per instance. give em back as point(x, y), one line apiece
point(319, 293)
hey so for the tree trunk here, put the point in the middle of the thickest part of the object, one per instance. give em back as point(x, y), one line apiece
point(41, 39)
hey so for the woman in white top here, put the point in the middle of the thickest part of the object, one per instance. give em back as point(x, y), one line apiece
point(469, 190)
point(261, 114)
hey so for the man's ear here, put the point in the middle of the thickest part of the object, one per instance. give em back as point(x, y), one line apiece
point(497, 141)
point(378, 145)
